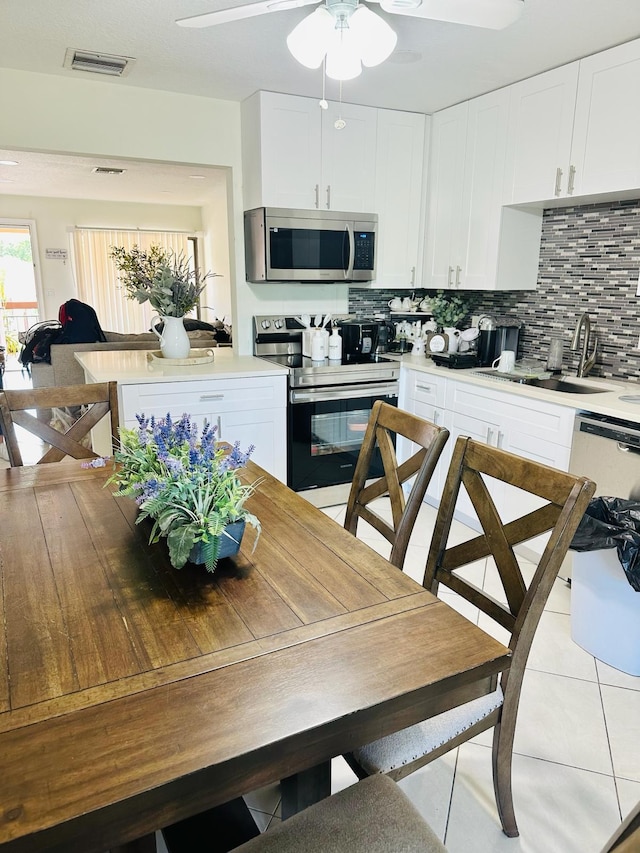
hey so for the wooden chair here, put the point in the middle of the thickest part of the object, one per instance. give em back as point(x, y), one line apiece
point(373, 816)
point(626, 839)
point(386, 421)
point(97, 400)
point(565, 500)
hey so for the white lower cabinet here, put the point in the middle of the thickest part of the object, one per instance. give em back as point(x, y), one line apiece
point(424, 395)
point(527, 427)
point(251, 410)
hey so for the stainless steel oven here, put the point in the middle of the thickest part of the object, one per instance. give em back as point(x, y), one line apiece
point(328, 411)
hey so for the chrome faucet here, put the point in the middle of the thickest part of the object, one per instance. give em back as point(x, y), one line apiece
point(586, 362)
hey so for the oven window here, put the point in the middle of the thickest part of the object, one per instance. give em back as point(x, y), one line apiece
point(325, 439)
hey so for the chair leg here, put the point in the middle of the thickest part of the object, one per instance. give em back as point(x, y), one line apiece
point(502, 755)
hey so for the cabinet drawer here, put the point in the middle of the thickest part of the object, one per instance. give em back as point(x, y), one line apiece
point(534, 418)
point(203, 397)
point(425, 388)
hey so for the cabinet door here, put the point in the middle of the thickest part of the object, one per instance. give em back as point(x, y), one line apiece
point(398, 197)
point(606, 134)
point(348, 158)
point(266, 429)
point(479, 233)
point(289, 147)
point(446, 175)
point(539, 139)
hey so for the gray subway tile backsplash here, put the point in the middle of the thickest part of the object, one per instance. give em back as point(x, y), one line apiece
point(589, 262)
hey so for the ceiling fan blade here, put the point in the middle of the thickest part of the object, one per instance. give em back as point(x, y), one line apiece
point(491, 14)
point(237, 13)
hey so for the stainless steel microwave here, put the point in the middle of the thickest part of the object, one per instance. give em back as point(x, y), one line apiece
point(309, 245)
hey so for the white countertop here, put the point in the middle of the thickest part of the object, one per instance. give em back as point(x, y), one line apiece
point(606, 403)
point(132, 367)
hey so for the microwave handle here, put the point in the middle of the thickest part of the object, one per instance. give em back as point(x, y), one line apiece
point(352, 252)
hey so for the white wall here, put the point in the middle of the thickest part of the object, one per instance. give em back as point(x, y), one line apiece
point(54, 217)
point(43, 112)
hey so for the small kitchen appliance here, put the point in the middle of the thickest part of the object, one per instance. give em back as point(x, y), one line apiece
point(359, 338)
point(495, 335)
point(309, 245)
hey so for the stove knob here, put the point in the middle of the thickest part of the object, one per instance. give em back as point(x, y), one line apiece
point(278, 323)
point(265, 324)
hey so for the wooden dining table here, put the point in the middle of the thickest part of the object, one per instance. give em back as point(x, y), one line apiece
point(134, 695)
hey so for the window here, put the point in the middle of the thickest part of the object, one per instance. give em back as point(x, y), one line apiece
point(97, 279)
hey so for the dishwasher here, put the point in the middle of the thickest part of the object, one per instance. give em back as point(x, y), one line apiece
point(607, 450)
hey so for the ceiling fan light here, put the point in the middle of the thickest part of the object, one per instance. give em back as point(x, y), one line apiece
point(376, 40)
point(309, 40)
point(343, 56)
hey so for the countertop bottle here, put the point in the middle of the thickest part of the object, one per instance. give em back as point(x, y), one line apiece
point(335, 345)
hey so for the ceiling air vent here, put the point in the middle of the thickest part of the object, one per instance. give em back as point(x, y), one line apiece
point(107, 170)
point(98, 63)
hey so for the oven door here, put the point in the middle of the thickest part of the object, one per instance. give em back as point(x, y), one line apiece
point(326, 428)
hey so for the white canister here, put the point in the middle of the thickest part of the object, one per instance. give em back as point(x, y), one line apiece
point(317, 345)
point(335, 345)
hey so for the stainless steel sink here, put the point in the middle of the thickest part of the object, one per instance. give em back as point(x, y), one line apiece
point(566, 387)
point(557, 383)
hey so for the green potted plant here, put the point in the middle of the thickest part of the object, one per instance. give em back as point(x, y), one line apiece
point(448, 309)
point(188, 484)
point(168, 282)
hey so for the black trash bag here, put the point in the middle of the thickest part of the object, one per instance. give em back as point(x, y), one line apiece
point(612, 523)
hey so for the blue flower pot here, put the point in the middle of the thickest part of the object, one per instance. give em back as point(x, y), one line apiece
point(229, 545)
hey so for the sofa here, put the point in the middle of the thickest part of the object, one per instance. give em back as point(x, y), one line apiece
point(65, 370)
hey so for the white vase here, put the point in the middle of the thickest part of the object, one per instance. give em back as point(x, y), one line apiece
point(174, 341)
point(452, 335)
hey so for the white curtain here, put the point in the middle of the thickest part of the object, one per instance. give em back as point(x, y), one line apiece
point(97, 278)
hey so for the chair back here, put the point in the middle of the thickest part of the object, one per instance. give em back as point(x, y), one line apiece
point(92, 401)
point(386, 422)
point(565, 498)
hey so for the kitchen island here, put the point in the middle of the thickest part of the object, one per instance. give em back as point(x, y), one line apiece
point(243, 396)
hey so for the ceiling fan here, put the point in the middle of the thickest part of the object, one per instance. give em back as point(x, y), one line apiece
point(490, 14)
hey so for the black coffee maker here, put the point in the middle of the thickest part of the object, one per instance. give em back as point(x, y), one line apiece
point(497, 334)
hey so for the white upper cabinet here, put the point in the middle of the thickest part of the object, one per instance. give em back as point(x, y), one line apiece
point(538, 159)
point(575, 131)
point(473, 243)
point(444, 207)
point(398, 197)
point(294, 156)
point(605, 150)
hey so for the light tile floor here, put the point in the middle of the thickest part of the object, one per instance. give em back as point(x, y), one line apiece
point(576, 769)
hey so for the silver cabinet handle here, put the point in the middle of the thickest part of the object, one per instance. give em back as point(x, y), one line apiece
point(449, 277)
point(420, 387)
point(219, 428)
point(436, 415)
point(458, 271)
point(500, 439)
point(317, 191)
point(328, 196)
point(413, 276)
point(572, 180)
point(489, 435)
point(558, 188)
point(205, 397)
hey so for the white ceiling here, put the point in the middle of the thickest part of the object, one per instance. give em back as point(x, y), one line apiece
point(231, 61)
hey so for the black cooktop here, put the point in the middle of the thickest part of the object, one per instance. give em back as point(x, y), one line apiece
point(297, 360)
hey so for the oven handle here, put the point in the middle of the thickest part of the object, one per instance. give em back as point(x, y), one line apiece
point(351, 392)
